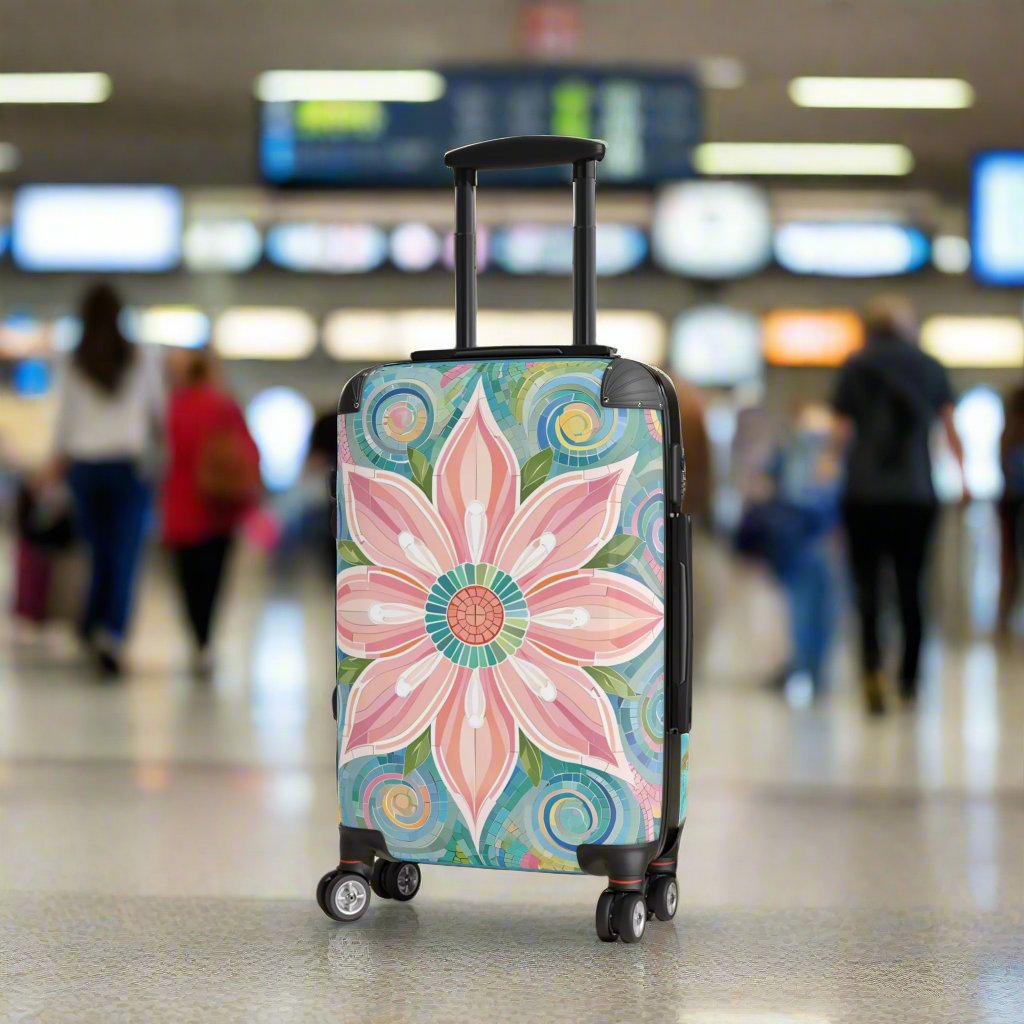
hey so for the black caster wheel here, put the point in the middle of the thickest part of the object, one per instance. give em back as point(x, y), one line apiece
point(605, 905)
point(378, 879)
point(402, 880)
point(629, 916)
point(348, 896)
point(321, 890)
point(663, 897)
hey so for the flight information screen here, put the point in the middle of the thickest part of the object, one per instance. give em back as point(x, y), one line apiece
point(997, 218)
point(650, 119)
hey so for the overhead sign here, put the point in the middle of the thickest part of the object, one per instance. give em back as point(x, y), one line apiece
point(716, 346)
point(811, 337)
point(850, 249)
point(714, 230)
point(997, 218)
point(650, 120)
point(97, 228)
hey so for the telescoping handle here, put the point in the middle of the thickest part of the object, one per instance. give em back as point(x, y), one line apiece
point(522, 151)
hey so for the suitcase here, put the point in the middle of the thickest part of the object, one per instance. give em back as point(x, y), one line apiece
point(514, 602)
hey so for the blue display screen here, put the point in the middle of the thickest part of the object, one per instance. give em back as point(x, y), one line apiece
point(651, 121)
point(997, 218)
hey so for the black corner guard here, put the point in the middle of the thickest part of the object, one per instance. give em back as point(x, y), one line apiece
point(620, 864)
point(352, 393)
point(628, 384)
point(359, 846)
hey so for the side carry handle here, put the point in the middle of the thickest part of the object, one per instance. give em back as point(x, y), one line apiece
point(519, 152)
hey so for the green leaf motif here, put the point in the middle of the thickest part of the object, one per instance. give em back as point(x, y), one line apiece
point(422, 471)
point(610, 681)
point(529, 754)
point(534, 472)
point(350, 668)
point(417, 752)
point(349, 551)
point(615, 552)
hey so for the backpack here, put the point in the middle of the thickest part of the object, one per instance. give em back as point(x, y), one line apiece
point(228, 469)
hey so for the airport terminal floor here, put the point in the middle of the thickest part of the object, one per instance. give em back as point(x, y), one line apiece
point(160, 840)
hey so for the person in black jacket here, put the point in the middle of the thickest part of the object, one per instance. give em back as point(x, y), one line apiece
point(888, 396)
point(1011, 506)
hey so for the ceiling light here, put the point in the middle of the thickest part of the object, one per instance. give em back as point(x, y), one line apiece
point(176, 326)
point(264, 332)
point(979, 342)
point(882, 93)
point(832, 158)
point(379, 86)
point(720, 72)
point(9, 157)
point(951, 254)
point(64, 87)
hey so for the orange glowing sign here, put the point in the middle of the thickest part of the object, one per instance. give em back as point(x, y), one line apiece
point(811, 337)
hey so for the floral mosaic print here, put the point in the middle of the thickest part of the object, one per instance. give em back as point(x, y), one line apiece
point(500, 614)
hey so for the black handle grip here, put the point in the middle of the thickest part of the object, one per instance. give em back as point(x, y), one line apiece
point(522, 151)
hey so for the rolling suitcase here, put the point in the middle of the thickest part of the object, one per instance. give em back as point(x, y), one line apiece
point(513, 602)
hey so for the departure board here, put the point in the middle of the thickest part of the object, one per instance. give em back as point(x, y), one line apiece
point(650, 119)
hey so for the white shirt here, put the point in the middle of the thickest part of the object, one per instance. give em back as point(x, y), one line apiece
point(94, 425)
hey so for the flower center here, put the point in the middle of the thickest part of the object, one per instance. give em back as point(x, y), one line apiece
point(475, 615)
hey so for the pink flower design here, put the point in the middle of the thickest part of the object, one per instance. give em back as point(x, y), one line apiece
point(479, 617)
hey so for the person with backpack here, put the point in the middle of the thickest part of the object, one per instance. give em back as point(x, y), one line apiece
point(110, 400)
point(1011, 506)
point(212, 481)
point(888, 396)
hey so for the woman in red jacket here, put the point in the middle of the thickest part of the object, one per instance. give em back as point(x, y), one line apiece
point(212, 481)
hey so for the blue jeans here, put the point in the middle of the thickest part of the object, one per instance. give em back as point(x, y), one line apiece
point(807, 581)
point(111, 501)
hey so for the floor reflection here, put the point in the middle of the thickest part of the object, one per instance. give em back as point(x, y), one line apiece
point(162, 838)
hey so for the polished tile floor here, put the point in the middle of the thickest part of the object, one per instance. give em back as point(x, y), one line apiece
point(160, 841)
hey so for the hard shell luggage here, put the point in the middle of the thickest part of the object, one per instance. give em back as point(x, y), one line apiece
point(513, 601)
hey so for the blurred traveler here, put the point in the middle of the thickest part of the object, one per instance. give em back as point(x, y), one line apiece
point(692, 410)
point(321, 459)
point(792, 506)
point(213, 479)
point(889, 395)
point(1011, 505)
point(110, 400)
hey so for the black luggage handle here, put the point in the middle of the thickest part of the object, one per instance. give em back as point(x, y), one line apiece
point(524, 151)
point(521, 151)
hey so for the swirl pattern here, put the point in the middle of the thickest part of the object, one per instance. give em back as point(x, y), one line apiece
point(412, 812)
point(395, 415)
point(562, 410)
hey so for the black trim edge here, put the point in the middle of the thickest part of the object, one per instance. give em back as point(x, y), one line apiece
point(631, 385)
point(352, 392)
point(633, 861)
point(517, 352)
